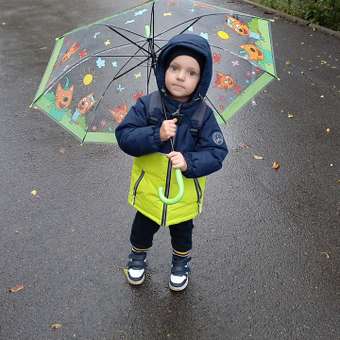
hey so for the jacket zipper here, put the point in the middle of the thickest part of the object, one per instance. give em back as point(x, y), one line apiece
point(137, 185)
point(166, 194)
point(199, 193)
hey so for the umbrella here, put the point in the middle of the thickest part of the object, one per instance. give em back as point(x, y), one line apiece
point(96, 72)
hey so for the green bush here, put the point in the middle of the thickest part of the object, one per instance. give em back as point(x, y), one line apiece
point(321, 12)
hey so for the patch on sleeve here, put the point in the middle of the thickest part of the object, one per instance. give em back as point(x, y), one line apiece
point(217, 137)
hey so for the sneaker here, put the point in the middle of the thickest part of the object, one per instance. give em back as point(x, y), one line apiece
point(136, 268)
point(179, 273)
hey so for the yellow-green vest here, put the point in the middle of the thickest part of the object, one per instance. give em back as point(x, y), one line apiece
point(152, 171)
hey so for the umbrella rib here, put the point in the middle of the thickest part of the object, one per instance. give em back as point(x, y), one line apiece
point(123, 29)
point(128, 62)
point(131, 41)
point(131, 69)
point(153, 27)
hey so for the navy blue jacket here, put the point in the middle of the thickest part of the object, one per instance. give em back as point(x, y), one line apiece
point(139, 133)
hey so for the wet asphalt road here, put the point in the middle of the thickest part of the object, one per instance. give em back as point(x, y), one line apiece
point(265, 249)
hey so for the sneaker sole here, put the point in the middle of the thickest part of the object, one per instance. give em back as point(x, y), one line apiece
point(178, 289)
point(135, 283)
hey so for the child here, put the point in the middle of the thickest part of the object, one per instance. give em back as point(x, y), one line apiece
point(173, 118)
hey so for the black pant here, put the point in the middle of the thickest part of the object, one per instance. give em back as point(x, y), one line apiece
point(143, 229)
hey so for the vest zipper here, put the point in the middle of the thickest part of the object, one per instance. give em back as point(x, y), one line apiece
point(137, 185)
point(199, 193)
point(166, 194)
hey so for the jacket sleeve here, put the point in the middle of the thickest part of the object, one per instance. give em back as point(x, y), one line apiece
point(210, 150)
point(134, 136)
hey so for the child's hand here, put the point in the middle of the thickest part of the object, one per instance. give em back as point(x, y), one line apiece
point(168, 129)
point(177, 160)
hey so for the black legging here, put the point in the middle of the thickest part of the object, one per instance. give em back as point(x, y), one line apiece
point(143, 229)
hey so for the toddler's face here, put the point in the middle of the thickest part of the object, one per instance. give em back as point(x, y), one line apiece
point(182, 77)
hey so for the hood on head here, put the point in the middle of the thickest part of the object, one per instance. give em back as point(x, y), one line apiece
point(196, 43)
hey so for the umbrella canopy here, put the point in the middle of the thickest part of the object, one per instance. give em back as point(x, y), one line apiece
point(97, 72)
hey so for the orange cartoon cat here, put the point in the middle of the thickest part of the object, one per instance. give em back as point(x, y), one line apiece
point(64, 95)
point(224, 81)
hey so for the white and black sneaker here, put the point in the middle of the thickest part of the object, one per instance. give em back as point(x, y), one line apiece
point(180, 270)
point(136, 268)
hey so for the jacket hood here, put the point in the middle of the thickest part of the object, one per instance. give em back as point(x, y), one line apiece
point(199, 45)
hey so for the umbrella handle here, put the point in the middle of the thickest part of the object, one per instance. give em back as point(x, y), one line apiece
point(180, 193)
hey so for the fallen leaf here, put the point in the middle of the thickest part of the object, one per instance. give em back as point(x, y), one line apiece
point(288, 62)
point(338, 181)
point(290, 115)
point(56, 325)
point(125, 271)
point(328, 130)
point(258, 157)
point(325, 253)
point(16, 289)
point(276, 165)
point(62, 150)
point(244, 146)
point(331, 164)
point(34, 193)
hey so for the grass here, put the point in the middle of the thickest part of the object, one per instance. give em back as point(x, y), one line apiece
point(323, 12)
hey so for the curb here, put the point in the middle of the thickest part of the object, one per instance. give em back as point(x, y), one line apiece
point(295, 19)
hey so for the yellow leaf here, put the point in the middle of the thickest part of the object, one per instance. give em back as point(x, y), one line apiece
point(125, 271)
point(290, 115)
point(328, 130)
point(16, 289)
point(56, 325)
point(258, 157)
point(276, 165)
point(34, 193)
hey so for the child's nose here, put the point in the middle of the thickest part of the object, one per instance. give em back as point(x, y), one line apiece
point(181, 75)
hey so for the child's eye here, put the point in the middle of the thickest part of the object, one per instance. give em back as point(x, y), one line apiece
point(193, 73)
point(173, 67)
